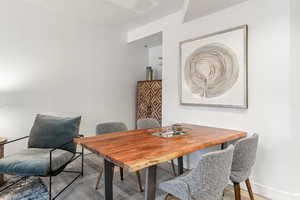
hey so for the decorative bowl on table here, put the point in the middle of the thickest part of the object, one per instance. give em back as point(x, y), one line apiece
point(172, 131)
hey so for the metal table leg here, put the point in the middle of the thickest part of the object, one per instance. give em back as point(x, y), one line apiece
point(150, 186)
point(180, 165)
point(108, 175)
point(224, 145)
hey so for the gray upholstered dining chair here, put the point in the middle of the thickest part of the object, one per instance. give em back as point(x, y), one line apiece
point(112, 127)
point(152, 123)
point(50, 149)
point(147, 123)
point(205, 182)
point(243, 160)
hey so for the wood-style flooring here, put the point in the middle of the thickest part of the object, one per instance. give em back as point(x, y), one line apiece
point(84, 188)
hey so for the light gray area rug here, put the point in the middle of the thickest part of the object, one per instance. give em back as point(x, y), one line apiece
point(84, 188)
point(30, 189)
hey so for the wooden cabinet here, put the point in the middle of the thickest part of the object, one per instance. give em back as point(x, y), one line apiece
point(149, 99)
point(2, 141)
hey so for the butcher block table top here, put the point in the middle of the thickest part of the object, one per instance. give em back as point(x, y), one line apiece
point(138, 149)
point(2, 140)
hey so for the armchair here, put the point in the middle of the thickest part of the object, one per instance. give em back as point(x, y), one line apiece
point(50, 150)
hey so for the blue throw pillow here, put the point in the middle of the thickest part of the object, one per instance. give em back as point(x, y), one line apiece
point(52, 132)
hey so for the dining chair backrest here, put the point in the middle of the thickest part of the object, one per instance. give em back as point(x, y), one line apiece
point(148, 123)
point(110, 127)
point(211, 175)
point(244, 155)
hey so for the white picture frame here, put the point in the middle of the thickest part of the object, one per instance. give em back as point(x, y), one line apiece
point(234, 92)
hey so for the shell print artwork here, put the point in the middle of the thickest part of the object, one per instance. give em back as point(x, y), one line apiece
point(210, 71)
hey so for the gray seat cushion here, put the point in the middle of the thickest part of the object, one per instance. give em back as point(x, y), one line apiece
point(51, 132)
point(34, 162)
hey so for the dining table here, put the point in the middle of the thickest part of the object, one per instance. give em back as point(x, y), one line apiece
point(146, 148)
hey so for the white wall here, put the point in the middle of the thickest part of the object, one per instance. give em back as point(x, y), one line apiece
point(295, 85)
point(154, 54)
point(276, 172)
point(55, 65)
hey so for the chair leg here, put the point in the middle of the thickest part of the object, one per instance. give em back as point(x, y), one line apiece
point(170, 197)
point(82, 160)
point(167, 197)
point(173, 167)
point(139, 181)
point(121, 174)
point(50, 187)
point(249, 189)
point(99, 178)
point(237, 191)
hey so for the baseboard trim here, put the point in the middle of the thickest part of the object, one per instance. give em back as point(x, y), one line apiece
point(272, 193)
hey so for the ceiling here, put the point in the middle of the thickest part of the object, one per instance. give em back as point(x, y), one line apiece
point(131, 13)
point(200, 8)
point(149, 41)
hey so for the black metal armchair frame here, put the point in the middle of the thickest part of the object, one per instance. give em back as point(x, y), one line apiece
point(55, 172)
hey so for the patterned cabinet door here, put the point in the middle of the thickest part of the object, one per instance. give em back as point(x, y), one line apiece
point(156, 100)
point(149, 100)
point(143, 99)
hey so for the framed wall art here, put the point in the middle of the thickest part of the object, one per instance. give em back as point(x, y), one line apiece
point(213, 69)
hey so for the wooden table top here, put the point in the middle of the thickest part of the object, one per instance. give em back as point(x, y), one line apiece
point(3, 140)
point(138, 149)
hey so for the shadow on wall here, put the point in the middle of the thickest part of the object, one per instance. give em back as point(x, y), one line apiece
point(213, 109)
